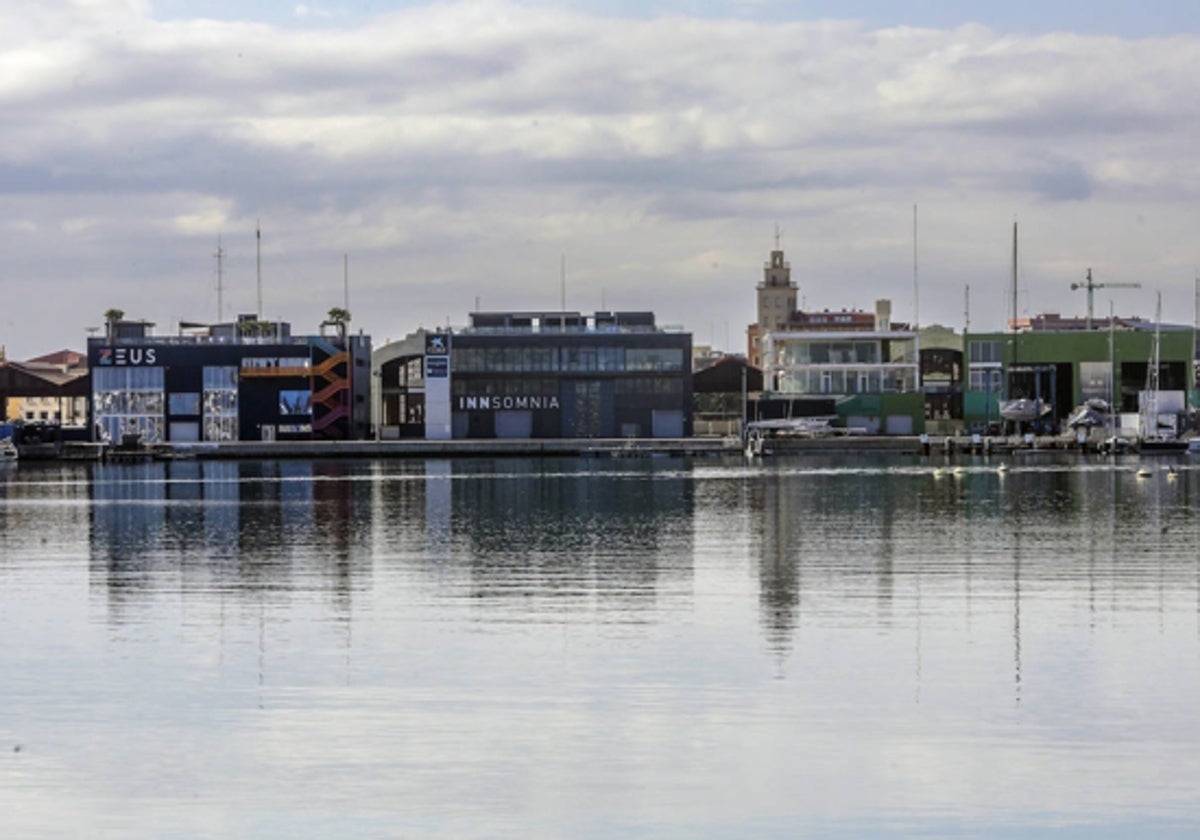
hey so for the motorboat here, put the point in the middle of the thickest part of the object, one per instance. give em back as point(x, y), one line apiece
point(1024, 410)
point(1092, 413)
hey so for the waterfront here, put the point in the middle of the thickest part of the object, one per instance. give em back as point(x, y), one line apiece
point(841, 644)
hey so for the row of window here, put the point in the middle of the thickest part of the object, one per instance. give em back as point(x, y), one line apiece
point(985, 379)
point(847, 381)
point(538, 387)
point(829, 352)
point(569, 359)
point(131, 401)
point(984, 351)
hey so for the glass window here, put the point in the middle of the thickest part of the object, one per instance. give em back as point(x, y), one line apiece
point(188, 403)
point(985, 351)
point(610, 358)
point(986, 379)
point(128, 401)
point(295, 402)
point(220, 403)
point(866, 352)
point(654, 358)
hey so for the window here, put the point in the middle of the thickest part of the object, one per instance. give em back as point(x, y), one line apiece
point(986, 379)
point(295, 403)
point(188, 404)
point(653, 358)
point(128, 401)
point(220, 403)
point(985, 351)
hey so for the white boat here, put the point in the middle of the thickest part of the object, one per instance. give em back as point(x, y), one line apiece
point(1023, 410)
point(1157, 432)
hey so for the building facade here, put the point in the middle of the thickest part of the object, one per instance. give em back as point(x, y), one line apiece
point(228, 382)
point(49, 389)
point(1065, 367)
point(776, 304)
point(866, 365)
point(540, 375)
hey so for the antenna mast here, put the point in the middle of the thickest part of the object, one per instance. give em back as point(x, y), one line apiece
point(220, 255)
point(346, 282)
point(258, 264)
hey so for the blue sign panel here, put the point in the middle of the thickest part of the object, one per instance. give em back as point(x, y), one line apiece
point(437, 367)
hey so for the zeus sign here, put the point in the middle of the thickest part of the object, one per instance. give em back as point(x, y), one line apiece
point(128, 356)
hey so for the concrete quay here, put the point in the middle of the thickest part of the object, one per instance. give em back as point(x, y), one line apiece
point(417, 448)
point(946, 446)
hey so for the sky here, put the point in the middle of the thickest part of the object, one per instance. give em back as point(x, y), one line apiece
point(416, 161)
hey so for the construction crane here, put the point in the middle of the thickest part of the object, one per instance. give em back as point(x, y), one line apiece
point(1092, 286)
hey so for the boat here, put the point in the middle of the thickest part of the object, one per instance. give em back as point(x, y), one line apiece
point(1163, 444)
point(1023, 410)
point(1155, 434)
point(760, 434)
point(1093, 412)
point(37, 441)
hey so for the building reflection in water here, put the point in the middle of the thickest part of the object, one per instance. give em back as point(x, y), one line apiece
point(830, 541)
point(602, 533)
point(834, 535)
point(254, 529)
point(594, 530)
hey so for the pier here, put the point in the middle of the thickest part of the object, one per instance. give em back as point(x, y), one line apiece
point(947, 446)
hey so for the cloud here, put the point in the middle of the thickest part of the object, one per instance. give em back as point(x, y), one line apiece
point(458, 150)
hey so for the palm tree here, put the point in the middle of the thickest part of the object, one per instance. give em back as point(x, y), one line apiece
point(339, 317)
point(111, 317)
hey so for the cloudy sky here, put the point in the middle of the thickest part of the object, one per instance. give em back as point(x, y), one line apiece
point(460, 154)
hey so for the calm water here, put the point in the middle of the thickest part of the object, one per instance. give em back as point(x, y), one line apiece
point(599, 648)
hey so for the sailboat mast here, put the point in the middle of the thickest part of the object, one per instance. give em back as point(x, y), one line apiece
point(1013, 324)
point(916, 278)
point(1150, 421)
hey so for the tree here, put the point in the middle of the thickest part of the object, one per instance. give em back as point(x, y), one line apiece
point(111, 317)
point(256, 328)
point(339, 317)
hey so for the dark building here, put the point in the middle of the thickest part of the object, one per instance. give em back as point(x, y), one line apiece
point(722, 392)
point(942, 380)
point(246, 380)
point(542, 375)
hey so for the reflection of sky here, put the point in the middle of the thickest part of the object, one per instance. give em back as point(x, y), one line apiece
point(806, 647)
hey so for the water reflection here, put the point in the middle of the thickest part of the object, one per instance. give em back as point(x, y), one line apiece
point(617, 534)
point(530, 647)
point(240, 527)
point(829, 538)
point(517, 529)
